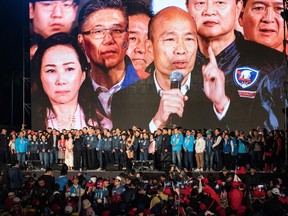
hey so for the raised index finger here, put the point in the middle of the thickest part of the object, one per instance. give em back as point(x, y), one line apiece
point(212, 56)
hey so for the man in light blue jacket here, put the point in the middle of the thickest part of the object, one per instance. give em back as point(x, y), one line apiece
point(21, 146)
point(177, 143)
point(188, 147)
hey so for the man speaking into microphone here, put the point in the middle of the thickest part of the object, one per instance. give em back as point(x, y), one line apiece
point(151, 102)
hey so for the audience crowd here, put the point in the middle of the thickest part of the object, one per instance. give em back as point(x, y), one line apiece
point(137, 193)
point(227, 188)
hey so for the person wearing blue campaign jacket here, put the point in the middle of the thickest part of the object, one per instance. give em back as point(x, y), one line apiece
point(99, 149)
point(188, 147)
point(209, 151)
point(91, 142)
point(75, 189)
point(242, 149)
point(21, 145)
point(107, 147)
point(144, 147)
point(177, 143)
point(44, 152)
point(33, 148)
point(116, 150)
point(228, 149)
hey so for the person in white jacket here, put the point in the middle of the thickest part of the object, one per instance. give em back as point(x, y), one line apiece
point(199, 151)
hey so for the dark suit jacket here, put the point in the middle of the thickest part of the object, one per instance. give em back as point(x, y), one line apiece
point(51, 141)
point(137, 104)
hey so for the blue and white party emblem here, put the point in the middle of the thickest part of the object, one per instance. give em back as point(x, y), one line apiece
point(246, 77)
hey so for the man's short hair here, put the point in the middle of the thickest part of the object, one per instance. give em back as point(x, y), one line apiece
point(218, 129)
point(96, 5)
point(132, 172)
point(137, 7)
point(15, 162)
point(33, 1)
point(48, 169)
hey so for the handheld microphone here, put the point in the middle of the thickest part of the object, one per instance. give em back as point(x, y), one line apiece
point(176, 78)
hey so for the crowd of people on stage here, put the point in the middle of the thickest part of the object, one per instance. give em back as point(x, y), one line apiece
point(189, 149)
point(177, 192)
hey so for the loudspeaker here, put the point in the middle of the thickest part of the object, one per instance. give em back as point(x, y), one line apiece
point(112, 167)
point(34, 164)
point(165, 166)
point(57, 166)
point(143, 165)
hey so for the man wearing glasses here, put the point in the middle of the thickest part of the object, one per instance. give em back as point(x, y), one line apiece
point(50, 17)
point(104, 35)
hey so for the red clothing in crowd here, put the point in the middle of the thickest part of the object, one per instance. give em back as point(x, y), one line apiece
point(208, 190)
point(235, 197)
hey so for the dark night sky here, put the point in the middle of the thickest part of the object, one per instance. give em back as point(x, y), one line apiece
point(14, 23)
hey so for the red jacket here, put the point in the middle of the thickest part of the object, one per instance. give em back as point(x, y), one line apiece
point(235, 197)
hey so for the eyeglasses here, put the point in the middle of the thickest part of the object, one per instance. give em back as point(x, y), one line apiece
point(100, 33)
point(67, 6)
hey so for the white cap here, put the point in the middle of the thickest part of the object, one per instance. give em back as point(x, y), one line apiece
point(276, 191)
point(68, 209)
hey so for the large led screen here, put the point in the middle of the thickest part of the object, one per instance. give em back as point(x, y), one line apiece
point(208, 65)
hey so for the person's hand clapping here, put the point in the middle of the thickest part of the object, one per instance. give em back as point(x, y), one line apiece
point(214, 83)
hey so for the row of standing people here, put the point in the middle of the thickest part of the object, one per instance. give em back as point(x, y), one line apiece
point(94, 148)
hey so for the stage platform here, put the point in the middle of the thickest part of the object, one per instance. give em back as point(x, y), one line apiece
point(102, 173)
point(151, 173)
point(265, 177)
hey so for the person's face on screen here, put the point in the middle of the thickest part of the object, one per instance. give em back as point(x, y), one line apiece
point(174, 42)
point(262, 22)
point(138, 34)
point(109, 50)
point(61, 75)
point(50, 17)
point(214, 18)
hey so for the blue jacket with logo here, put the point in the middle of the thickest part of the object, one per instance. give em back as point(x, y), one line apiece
point(208, 145)
point(21, 144)
point(177, 140)
point(189, 143)
point(108, 143)
point(244, 64)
